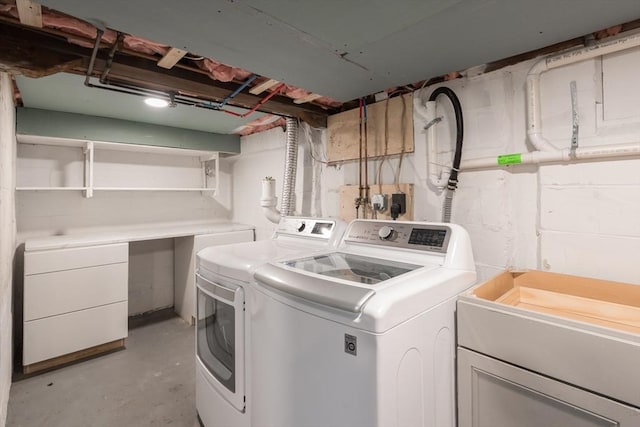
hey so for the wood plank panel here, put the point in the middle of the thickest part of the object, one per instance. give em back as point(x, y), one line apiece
point(171, 58)
point(343, 130)
point(348, 194)
point(74, 357)
point(30, 13)
point(257, 90)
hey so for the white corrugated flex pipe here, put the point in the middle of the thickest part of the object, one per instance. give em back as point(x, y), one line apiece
point(547, 152)
point(287, 206)
point(268, 201)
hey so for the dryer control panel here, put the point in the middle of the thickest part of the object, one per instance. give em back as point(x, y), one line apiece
point(416, 236)
point(309, 227)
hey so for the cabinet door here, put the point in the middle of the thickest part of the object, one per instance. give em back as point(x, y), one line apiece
point(492, 393)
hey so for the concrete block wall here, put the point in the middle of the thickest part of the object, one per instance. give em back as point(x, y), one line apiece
point(7, 236)
point(573, 218)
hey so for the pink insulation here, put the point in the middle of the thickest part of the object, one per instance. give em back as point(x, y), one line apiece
point(138, 44)
point(222, 72)
point(261, 124)
point(76, 27)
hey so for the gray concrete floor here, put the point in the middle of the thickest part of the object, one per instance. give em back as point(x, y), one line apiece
point(151, 383)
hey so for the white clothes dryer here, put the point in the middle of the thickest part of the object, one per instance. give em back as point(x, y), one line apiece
point(224, 298)
point(363, 335)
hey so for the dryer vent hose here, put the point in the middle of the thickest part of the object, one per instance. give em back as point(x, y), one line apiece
point(287, 207)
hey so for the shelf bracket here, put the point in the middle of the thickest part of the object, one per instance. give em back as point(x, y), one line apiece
point(88, 169)
point(211, 172)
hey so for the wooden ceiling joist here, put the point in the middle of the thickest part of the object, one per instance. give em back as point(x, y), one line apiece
point(30, 13)
point(171, 58)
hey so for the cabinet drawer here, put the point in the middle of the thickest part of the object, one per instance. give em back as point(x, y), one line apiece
point(49, 294)
point(38, 262)
point(58, 335)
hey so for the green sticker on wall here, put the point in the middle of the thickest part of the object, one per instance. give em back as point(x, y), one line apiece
point(510, 159)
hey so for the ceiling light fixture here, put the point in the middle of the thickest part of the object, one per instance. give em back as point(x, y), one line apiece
point(156, 102)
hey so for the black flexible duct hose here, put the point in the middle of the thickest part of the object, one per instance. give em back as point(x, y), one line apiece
point(452, 184)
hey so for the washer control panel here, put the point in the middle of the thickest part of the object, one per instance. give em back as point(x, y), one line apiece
point(424, 237)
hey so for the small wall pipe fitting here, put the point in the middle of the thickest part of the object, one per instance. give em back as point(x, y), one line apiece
point(268, 201)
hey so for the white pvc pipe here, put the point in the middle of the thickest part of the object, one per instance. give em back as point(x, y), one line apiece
point(547, 152)
point(268, 201)
point(564, 155)
point(534, 115)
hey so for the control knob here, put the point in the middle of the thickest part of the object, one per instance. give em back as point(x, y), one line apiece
point(385, 233)
point(300, 225)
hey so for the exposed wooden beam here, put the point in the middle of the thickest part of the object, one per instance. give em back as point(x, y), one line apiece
point(257, 90)
point(308, 98)
point(30, 13)
point(171, 58)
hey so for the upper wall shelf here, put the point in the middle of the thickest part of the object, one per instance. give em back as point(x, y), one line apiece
point(90, 147)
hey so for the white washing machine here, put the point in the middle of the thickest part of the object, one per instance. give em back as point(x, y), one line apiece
point(224, 299)
point(362, 335)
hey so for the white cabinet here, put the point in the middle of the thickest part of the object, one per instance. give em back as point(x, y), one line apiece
point(492, 393)
point(74, 299)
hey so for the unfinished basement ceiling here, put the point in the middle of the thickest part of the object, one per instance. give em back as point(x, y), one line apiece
point(67, 93)
point(347, 49)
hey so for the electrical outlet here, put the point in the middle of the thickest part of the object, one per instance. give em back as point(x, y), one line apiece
point(398, 205)
point(379, 202)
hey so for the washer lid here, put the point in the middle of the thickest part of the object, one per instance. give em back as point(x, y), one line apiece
point(353, 268)
point(318, 290)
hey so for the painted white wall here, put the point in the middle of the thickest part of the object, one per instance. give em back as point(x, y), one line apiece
point(575, 218)
point(7, 236)
point(45, 213)
point(150, 275)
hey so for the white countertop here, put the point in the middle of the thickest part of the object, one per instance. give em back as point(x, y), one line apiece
point(124, 235)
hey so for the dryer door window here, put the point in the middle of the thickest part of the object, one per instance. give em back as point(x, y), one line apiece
point(220, 338)
point(216, 343)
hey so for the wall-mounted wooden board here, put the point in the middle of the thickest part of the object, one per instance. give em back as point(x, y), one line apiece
point(343, 130)
point(348, 194)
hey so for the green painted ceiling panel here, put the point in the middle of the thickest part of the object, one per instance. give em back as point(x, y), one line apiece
point(33, 121)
